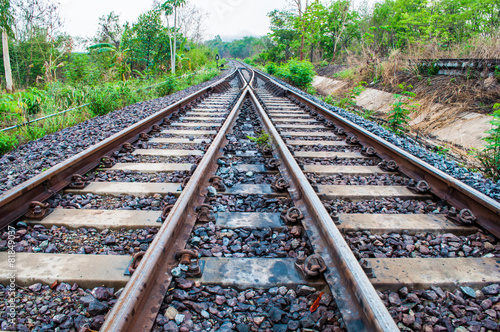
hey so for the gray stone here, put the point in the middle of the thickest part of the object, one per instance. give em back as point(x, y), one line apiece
point(304, 290)
point(58, 319)
point(179, 319)
point(275, 314)
point(493, 289)
point(97, 308)
point(171, 327)
point(468, 291)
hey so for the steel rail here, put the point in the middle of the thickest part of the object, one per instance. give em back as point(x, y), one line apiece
point(139, 303)
point(15, 202)
point(361, 307)
point(446, 187)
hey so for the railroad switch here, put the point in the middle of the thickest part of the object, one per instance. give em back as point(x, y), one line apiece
point(272, 164)
point(280, 185)
point(292, 215)
point(389, 166)
point(367, 267)
point(421, 187)
point(107, 162)
point(191, 260)
point(218, 183)
point(77, 181)
point(369, 152)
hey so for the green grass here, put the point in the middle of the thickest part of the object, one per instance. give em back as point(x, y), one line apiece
point(348, 74)
point(104, 99)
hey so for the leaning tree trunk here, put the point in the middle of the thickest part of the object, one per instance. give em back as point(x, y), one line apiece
point(6, 61)
point(175, 40)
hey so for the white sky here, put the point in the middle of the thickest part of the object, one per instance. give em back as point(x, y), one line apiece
point(228, 18)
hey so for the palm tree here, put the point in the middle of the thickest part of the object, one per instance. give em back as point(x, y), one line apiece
point(118, 58)
point(169, 7)
point(6, 20)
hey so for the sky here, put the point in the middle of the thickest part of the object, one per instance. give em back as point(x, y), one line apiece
point(228, 18)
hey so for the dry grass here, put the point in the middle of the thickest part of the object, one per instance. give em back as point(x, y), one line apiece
point(479, 47)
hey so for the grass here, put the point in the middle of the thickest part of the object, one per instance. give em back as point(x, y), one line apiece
point(103, 103)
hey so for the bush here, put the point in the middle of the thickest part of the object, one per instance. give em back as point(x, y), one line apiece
point(271, 68)
point(490, 155)
point(166, 87)
point(399, 115)
point(7, 143)
point(103, 100)
point(31, 100)
point(297, 73)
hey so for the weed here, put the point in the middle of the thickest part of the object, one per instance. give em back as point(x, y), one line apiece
point(298, 73)
point(263, 140)
point(311, 90)
point(440, 150)
point(33, 132)
point(399, 114)
point(7, 143)
point(367, 114)
point(453, 80)
point(490, 155)
point(349, 99)
point(103, 100)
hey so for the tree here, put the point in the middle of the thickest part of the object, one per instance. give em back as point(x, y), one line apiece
point(192, 22)
point(302, 24)
point(110, 30)
point(118, 57)
point(170, 8)
point(6, 20)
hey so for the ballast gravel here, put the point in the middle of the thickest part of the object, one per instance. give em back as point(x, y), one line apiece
point(475, 180)
point(190, 306)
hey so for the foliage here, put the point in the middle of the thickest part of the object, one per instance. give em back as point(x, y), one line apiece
point(103, 100)
point(263, 140)
point(349, 99)
point(166, 87)
point(335, 30)
point(298, 73)
point(490, 155)
point(7, 143)
point(271, 68)
point(398, 117)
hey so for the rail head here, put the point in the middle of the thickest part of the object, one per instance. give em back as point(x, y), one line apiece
point(362, 308)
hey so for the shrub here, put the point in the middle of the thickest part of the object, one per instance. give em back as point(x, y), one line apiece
point(31, 100)
point(271, 68)
point(490, 155)
point(399, 114)
point(301, 73)
point(166, 87)
point(7, 143)
point(297, 73)
point(103, 100)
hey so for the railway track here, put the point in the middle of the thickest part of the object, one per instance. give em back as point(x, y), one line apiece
point(247, 207)
point(459, 67)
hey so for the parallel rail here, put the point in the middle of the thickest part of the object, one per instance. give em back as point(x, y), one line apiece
point(359, 303)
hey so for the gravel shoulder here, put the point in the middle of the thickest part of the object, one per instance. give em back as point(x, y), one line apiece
point(31, 159)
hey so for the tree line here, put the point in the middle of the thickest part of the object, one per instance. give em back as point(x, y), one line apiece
point(166, 38)
point(330, 30)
